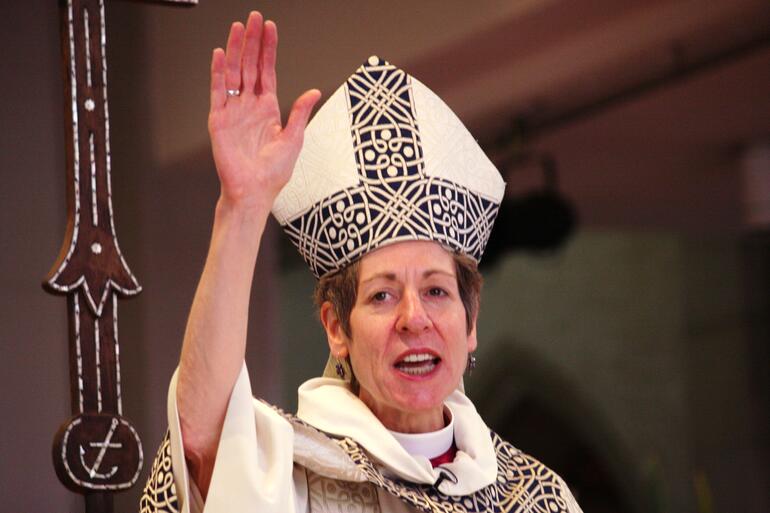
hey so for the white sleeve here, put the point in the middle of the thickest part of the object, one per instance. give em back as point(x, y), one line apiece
point(253, 470)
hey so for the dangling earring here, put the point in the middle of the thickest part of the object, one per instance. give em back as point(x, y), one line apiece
point(340, 369)
point(471, 363)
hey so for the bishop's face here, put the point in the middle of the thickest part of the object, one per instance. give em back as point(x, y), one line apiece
point(409, 342)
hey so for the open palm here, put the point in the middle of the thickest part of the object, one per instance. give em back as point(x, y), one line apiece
point(253, 153)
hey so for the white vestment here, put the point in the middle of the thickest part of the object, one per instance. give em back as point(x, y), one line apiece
point(336, 456)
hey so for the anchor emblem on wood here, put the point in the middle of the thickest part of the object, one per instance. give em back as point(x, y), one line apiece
point(97, 450)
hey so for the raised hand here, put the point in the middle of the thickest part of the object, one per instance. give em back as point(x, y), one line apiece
point(254, 154)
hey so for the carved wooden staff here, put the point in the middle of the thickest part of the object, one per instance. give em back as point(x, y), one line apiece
point(97, 452)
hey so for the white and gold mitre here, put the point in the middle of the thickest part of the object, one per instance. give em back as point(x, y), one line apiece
point(385, 160)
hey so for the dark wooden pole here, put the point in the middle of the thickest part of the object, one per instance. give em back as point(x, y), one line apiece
point(99, 502)
point(97, 452)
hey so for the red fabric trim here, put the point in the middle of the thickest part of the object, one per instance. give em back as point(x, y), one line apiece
point(447, 457)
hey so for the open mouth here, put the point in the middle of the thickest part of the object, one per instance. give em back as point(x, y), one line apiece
point(418, 364)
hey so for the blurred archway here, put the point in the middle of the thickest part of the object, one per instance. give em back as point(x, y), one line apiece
point(530, 404)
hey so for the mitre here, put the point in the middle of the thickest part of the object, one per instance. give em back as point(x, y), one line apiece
point(385, 160)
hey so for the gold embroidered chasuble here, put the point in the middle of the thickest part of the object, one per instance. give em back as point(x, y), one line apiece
point(335, 457)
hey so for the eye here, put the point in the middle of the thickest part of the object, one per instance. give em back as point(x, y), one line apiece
point(436, 292)
point(379, 296)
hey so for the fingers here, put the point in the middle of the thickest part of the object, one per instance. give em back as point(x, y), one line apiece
point(218, 94)
point(268, 57)
point(250, 56)
point(251, 49)
point(233, 56)
point(300, 113)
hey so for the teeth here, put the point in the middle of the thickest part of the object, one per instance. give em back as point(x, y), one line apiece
point(418, 364)
point(418, 370)
point(414, 358)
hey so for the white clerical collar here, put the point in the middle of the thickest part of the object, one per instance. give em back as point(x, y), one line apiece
point(328, 405)
point(431, 444)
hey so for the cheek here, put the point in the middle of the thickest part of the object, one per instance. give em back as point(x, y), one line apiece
point(455, 332)
point(369, 339)
point(452, 323)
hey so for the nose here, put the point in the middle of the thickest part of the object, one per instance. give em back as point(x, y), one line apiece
point(412, 317)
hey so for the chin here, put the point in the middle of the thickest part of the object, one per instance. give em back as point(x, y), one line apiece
point(420, 397)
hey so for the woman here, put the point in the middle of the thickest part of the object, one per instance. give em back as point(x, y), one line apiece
point(392, 222)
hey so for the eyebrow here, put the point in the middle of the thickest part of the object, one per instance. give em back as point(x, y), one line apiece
point(389, 276)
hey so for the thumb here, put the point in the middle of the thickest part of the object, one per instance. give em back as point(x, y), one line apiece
point(300, 113)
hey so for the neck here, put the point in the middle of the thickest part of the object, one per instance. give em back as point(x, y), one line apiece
point(401, 421)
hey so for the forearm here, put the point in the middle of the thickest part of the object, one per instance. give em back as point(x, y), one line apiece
point(215, 338)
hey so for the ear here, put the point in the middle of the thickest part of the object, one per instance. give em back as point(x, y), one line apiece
point(472, 341)
point(335, 336)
